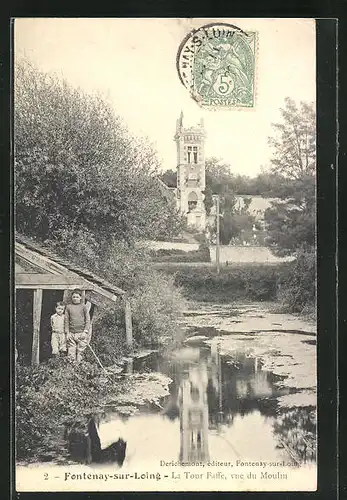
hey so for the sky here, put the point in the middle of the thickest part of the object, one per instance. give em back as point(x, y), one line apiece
point(133, 63)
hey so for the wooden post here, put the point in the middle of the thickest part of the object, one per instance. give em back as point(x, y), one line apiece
point(129, 366)
point(128, 323)
point(92, 317)
point(37, 306)
point(66, 296)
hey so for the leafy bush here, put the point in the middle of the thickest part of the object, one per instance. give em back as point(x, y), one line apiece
point(108, 339)
point(204, 248)
point(191, 256)
point(163, 252)
point(297, 291)
point(51, 395)
point(155, 308)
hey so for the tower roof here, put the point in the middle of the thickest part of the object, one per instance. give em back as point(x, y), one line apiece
point(198, 128)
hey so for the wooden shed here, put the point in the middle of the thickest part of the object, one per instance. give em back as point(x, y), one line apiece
point(42, 276)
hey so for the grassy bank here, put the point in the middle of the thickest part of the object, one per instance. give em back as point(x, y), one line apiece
point(290, 284)
point(259, 282)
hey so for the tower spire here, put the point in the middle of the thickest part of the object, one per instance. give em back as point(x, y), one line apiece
point(179, 123)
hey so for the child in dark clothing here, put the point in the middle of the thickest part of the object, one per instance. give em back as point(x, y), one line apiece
point(76, 325)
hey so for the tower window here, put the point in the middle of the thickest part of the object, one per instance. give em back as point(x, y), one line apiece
point(195, 154)
point(189, 154)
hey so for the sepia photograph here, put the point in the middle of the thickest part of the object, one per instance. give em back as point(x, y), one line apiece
point(165, 254)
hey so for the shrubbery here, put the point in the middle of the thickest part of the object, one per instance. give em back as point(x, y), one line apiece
point(164, 252)
point(181, 256)
point(237, 282)
point(297, 291)
point(156, 306)
point(50, 396)
point(293, 284)
point(108, 339)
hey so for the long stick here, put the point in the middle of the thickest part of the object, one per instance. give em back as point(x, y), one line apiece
point(97, 359)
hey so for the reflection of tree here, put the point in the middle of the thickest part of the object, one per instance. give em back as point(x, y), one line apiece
point(295, 430)
point(236, 385)
point(208, 391)
point(245, 388)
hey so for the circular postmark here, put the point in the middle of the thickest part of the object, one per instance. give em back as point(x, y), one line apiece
point(216, 63)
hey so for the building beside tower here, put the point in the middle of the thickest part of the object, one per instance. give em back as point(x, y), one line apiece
point(191, 182)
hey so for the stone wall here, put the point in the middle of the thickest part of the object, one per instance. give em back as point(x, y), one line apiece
point(245, 254)
point(228, 253)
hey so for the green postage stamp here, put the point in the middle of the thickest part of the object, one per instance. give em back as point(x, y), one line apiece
point(216, 63)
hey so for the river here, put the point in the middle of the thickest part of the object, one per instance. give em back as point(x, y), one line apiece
point(243, 387)
point(239, 389)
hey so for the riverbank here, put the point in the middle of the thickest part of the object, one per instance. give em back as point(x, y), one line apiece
point(236, 282)
point(58, 395)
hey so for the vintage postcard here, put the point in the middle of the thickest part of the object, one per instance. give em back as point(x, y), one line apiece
point(165, 254)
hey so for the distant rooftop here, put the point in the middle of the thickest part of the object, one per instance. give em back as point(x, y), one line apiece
point(258, 203)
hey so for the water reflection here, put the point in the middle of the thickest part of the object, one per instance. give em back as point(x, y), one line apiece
point(218, 408)
point(193, 414)
point(210, 391)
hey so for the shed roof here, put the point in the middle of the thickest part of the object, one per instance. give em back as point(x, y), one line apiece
point(42, 260)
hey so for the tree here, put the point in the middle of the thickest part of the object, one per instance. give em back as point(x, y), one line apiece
point(294, 142)
point(291, 221)
point(208, 199)
point(218, 174)
point(220, 180)
point(291, 218)
point(78, 168)
point(267, 184)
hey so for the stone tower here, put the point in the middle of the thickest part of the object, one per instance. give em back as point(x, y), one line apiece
point(191, 172)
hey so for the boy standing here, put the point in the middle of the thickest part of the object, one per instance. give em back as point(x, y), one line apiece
point(77, 325)
point(58, 339)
